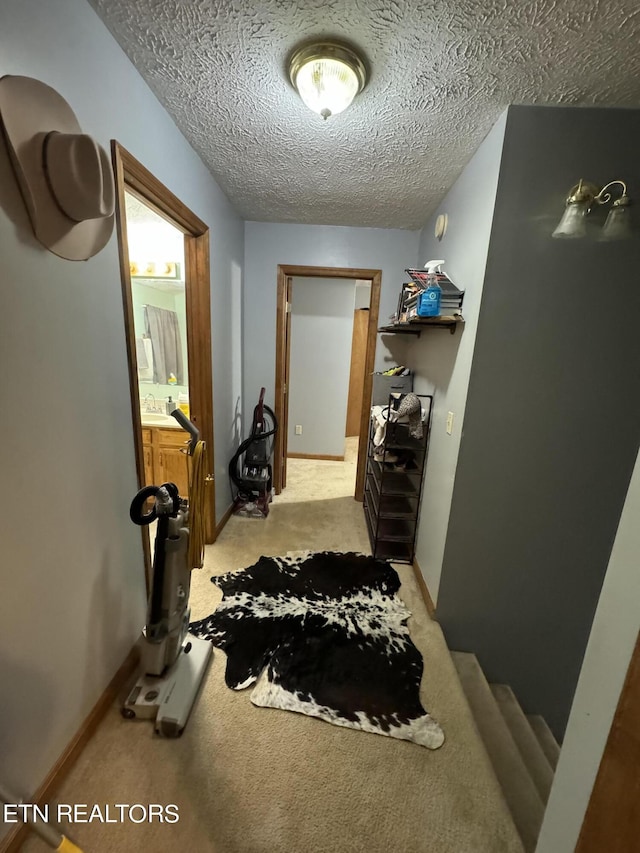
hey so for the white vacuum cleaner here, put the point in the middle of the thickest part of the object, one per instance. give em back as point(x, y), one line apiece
point(174, 663)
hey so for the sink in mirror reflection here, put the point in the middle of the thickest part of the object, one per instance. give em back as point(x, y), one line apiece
point(157, 418)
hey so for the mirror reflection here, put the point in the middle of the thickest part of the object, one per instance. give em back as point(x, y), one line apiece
point(156, 257)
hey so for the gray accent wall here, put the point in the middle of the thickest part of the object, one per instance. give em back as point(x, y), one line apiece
point(611, 644)
point(320, 361)
point(552, 420)
point(73, 589)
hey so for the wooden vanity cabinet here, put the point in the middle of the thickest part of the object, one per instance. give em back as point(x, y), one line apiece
point(165, 458)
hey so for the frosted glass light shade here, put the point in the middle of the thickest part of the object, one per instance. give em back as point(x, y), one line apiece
point(327, 86)
point(617, 225)
point(572, 224)
point(327, 77)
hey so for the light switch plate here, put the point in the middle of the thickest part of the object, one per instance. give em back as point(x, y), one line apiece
point(449, 423)
point(298, 429)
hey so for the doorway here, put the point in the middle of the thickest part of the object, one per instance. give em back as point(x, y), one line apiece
point(164, 267)
point(286, 274)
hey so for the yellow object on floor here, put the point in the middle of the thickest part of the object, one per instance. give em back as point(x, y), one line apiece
point(67, 846)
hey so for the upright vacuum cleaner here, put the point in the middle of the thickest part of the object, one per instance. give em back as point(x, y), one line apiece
point(173, 662)
point(250, 468)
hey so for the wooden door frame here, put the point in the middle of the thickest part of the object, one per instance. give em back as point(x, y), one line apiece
point(131, 175)
point(358, 348)
point(612, 813)
point(286, 378)
point(375, 277)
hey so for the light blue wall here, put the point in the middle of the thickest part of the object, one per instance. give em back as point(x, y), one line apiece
point(320, 361)
point(269, 244)
point(73, 596)
point(363, 294)
point(442, 362)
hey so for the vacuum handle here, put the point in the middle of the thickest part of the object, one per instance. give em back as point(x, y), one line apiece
point(191, 428)
point(166, 502)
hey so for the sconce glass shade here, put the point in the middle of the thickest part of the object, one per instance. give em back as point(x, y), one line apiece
point(573, 223)
point(327, 77)
point(617, 225)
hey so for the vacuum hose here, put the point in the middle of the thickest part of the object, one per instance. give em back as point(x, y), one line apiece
point(168, 501)
point(195, 552)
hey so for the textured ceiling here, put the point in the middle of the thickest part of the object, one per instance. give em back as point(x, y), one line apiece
point(441, 74)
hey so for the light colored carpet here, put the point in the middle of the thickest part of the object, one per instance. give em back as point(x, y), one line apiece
point(258, 780)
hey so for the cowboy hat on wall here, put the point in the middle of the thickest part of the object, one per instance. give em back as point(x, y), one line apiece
point(64, 175)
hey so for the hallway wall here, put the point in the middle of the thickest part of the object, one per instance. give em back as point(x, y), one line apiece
point(73, 595)
point(552, 423)
point(442, 362)
point(268, 244)
point(320, 358)
point(611, 644)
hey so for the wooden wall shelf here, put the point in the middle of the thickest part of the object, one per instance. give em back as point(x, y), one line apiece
point(415, 326)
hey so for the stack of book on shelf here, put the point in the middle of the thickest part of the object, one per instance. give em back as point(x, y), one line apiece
point(408, 307)
point(450, 299)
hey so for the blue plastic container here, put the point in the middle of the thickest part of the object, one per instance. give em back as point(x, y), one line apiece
point(429, 301)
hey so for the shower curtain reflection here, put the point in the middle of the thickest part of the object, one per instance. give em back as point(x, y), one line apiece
point(161, 326)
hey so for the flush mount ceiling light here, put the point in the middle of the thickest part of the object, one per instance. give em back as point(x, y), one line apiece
point(579, 203)
point(327, 76)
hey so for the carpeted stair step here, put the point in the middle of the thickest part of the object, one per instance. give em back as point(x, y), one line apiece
point(536, 761)
point(518, 787)
point(547, 741)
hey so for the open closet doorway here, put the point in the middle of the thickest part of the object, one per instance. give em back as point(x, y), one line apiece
point(164, 261)
point(356, 372)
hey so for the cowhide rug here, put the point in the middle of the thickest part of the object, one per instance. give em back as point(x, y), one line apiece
point(323, 634)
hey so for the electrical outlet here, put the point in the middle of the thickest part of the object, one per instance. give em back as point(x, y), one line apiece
point(298, 429)
point(449, 423)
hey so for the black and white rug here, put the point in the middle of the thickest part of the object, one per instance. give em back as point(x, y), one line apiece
point(323, 634)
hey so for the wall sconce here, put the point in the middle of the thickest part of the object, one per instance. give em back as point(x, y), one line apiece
point(579, 203)
point(440, 228)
